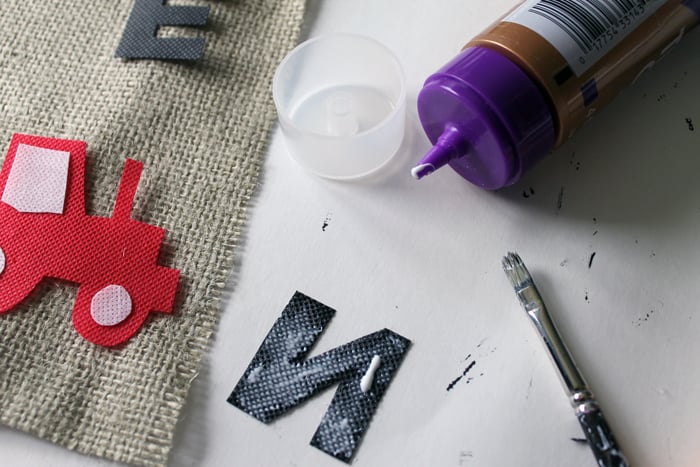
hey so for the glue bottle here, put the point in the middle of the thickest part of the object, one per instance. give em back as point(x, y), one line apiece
point(521, 88)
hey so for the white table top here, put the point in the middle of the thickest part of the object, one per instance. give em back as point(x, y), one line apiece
point(423, 259)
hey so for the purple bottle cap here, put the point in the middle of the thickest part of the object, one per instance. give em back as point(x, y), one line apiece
point(485, 117)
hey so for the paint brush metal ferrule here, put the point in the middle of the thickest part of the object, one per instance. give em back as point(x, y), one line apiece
point(590, 417)
point(533, 304)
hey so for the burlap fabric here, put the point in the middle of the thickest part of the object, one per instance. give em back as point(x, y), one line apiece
point(201, 130)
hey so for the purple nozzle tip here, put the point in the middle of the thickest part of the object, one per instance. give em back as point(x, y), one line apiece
point(448, 146)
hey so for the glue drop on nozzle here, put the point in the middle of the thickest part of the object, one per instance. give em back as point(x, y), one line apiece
point(521, 88)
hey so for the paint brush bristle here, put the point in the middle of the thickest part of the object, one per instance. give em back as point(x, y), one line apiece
point(516, 271)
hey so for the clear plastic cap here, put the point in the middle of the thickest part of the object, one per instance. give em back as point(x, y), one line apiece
point(340, 99)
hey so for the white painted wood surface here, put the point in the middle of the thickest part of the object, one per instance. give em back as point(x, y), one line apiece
point(423, 259)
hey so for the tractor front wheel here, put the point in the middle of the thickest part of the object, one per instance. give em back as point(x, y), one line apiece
point(109, 314)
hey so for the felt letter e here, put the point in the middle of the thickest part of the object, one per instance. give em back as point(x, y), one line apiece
point(140, 39)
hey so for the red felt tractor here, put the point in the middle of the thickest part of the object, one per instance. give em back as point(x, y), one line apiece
point(45, 232)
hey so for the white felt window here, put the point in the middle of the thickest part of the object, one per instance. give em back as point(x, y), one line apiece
point(37, 180)
point(110, 305)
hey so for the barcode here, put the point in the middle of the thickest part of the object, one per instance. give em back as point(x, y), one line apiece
point(589, 21)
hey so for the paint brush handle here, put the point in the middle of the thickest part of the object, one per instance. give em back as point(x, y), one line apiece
point(599, 435)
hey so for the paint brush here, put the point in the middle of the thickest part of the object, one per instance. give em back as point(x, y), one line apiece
point(596, 429)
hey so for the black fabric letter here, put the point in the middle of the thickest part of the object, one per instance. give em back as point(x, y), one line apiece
point(279, 378)
point(139, 38)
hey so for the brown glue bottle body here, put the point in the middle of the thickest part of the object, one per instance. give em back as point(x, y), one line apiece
point(577, 98)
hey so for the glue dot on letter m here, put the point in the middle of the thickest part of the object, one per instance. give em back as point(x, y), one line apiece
point(522, 87)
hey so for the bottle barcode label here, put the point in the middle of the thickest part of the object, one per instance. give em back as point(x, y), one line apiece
point(583, 31)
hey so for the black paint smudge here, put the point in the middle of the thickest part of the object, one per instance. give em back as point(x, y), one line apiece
point(464, 456)
point(464, 373)
point(326, 221)
point(590, 260)
point(689, 121)
point(579, 440)
point(528, 193)
point(645, 318)
point(586, 296)
point(595, 233)
point(595, 220)
point(560, 199)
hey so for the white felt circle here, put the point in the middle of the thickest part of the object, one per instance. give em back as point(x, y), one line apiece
point(2, 261)
point(110, 305)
